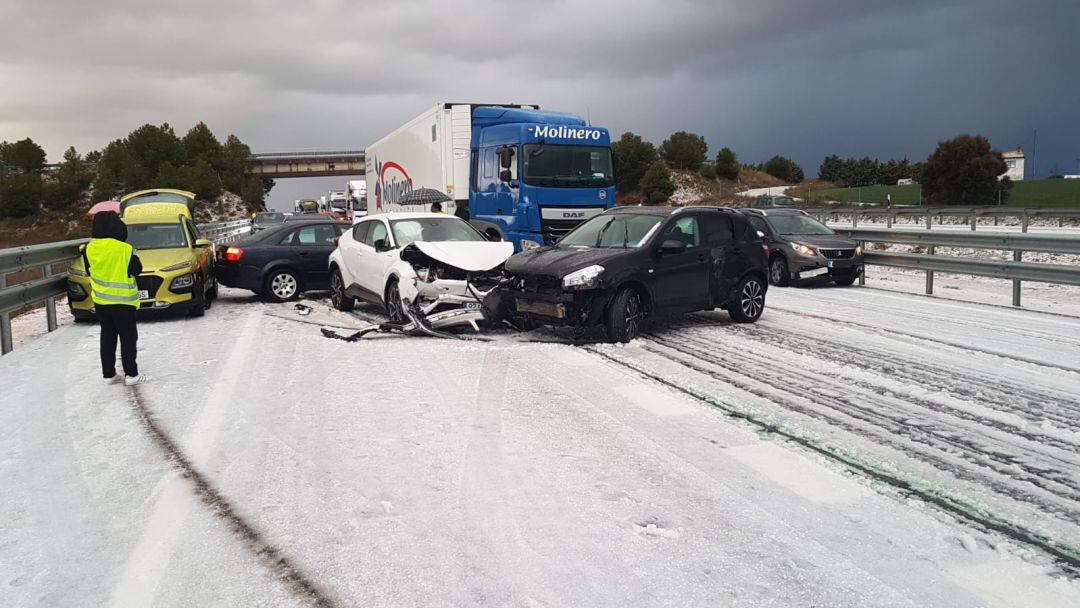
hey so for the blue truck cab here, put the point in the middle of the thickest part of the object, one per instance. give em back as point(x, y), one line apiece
point(535, 175)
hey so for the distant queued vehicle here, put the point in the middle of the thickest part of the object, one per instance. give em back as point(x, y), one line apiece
point(802, 249)
point(266, 219)
point(282, 262)
point(630, 263)
point(773, 202)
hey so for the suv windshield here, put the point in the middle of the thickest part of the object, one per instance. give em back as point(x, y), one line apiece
point(568, 166)
point(622, 231)
point(156, 236)
point(433, 229)
point(797, 224)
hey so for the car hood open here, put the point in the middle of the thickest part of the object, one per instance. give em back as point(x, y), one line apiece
point(470, 256)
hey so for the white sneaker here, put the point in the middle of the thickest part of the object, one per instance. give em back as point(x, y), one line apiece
point(140, 379)
point(114, 380)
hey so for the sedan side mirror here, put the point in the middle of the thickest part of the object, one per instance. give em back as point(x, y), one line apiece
point(671, 246)
point(203, 243)
point(336, 240)
point(382, 245)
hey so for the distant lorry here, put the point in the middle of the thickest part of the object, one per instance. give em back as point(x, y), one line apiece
point(337, 203)
point(516, 172)
point(306, 206)
point(356, 191)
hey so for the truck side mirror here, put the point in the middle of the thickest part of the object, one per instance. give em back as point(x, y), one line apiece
point(506, 159)
point(504, 175)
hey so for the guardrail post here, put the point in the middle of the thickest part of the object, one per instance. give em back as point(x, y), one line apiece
point(929, 221)
point(930, 273)
point(1024, 222)
point(50, 303)
point(974, 221)
point(1017, 256)
point(854, 220)
point(5, 323)
point(888, 219)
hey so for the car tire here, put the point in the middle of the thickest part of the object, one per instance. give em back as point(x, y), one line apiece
point(847, 281)
point(624, 316)
point(338, 297)
point(749, 300)
point(392, 303)
point(214, 291)
point(778, 271)
point(199, 303)
point(281, 285)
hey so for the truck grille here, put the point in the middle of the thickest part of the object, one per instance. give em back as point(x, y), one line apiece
point(554, 230)
point(150, 283)
point(837, 254)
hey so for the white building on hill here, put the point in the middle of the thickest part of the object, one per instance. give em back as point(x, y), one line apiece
point(1014, 163)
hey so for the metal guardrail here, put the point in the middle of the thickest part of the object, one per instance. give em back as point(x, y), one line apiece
point(916, 213)
point(1016, 270)
point(47, 288)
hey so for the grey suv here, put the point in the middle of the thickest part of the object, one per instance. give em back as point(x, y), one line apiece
point(802, 249)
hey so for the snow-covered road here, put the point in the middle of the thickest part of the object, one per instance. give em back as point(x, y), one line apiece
point(267, 465)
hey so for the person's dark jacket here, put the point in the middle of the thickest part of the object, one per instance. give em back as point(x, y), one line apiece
point(108, 225)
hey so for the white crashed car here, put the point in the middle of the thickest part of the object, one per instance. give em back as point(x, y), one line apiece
point(424, 262)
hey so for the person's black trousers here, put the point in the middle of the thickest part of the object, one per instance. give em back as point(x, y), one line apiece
point(117, 321)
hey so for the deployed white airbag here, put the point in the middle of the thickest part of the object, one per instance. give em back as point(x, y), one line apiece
point(470, 256)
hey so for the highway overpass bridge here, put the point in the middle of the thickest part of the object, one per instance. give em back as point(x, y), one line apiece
point(277, 165)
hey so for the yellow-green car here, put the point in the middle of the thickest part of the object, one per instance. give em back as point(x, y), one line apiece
point(177, 262)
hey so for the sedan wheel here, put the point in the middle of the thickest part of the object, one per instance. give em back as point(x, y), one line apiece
point(282, 286)
point(778, 272)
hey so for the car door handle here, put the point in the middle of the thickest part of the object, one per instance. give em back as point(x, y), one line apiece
point(701, 257)
point(304, 252)
point(736, 250)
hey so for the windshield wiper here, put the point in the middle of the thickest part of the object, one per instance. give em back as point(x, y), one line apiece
point(600, 235)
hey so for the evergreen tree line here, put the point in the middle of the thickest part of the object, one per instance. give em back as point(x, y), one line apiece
point(149, 157)
point(866, 171)
point(642, 167)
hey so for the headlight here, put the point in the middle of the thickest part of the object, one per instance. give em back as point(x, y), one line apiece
point(803, 249)
point(858, 250)
point(182, 282)
point(77, 272)
point(585, 278)
point(180, 266)
point(526, 245)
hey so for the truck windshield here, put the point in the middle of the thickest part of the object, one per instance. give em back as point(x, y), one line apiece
point(623, 231)
point(568, 166)
point(433, 230)
point(156, 236)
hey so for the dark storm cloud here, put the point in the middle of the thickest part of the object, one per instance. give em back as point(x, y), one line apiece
point(805, 79)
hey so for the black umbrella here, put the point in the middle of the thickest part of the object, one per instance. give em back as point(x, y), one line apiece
point(423, 196)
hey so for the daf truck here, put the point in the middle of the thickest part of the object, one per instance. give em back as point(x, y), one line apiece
point(516, 172)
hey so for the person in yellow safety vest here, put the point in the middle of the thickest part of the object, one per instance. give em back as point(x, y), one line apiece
point(113, 266)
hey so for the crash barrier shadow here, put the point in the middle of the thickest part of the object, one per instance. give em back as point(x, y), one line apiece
point(1015, 270)
point(43, 261)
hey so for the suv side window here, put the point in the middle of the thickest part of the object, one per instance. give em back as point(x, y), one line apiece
point(684, 229)
point(377, 233)
point(717, 228)
point(744, 230)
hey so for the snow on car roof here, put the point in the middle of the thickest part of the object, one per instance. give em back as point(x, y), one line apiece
point(411, 215)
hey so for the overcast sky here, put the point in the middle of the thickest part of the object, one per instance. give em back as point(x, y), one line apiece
point(801, 78)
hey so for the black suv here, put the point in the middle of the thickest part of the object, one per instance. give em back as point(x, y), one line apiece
point(630, 263)
point(802, 249)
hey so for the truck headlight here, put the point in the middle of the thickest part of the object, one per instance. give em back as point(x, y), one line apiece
point(182, 282)
point(585, 278)
point(180, 266)
point(803, 249)
point(527, 245)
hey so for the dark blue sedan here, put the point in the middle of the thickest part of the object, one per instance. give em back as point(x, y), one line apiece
point(280, 263)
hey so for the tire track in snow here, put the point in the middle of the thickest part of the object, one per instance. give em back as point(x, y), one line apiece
point(1067, 556)
point(863, 422)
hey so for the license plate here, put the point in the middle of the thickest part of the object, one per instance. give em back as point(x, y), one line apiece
point(144, 294)
point(471, 305)
point(813, 272)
